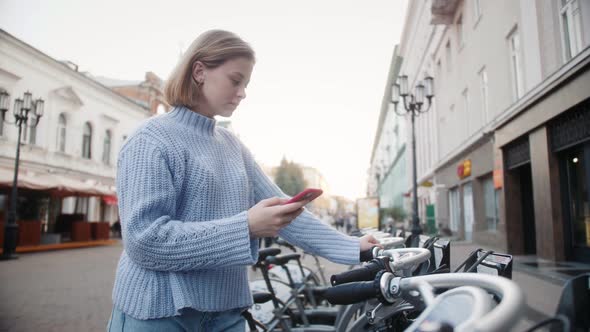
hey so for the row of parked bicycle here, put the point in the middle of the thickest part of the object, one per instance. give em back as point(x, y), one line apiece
point(406, 286)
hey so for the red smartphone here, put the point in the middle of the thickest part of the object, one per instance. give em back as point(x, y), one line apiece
point(309, 194)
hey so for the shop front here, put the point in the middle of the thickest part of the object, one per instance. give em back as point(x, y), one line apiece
point(468, 197)
point(41, 216)
point(544, 150)
point(570, 141)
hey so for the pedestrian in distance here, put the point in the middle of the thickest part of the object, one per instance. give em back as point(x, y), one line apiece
point(193, 204)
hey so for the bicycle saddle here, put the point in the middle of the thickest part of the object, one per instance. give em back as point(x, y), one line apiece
point(267, 252)
point(261, 297)
point(282, 259)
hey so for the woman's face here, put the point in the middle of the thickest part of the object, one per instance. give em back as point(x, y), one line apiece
point(224, 87)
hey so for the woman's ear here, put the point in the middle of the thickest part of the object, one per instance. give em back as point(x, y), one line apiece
point(198, 72)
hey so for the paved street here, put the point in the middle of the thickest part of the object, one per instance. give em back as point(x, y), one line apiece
point(70, 290)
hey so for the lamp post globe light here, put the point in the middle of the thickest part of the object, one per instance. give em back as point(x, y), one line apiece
point(25, 109)
point(413, 105)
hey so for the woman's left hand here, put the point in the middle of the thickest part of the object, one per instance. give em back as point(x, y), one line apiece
point(368, 242)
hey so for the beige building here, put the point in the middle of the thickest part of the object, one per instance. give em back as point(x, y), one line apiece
point(149, 93)
point(509, 118)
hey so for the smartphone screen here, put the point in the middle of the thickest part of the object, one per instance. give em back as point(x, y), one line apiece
point(307, 194)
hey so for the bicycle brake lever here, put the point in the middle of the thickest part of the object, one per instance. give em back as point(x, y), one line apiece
point(371, 314)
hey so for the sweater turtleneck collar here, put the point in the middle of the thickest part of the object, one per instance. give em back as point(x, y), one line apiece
point(202, 124)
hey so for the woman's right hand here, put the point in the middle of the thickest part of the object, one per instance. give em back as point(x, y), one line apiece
point(269, 216)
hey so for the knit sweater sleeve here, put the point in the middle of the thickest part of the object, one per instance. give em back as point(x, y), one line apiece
point(306, 231)
point(152, 237)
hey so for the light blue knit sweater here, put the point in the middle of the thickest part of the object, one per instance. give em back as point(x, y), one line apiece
point(184, 188)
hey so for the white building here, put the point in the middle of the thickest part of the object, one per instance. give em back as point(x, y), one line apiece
point(76, 141)
point(508, 75)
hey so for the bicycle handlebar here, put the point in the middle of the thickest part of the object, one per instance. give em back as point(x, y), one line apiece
point(391, 242)
point(501, 318)
point(399, 262)
point(351, 293)
point(388, 288)
point(367, 255)
point(365, 273)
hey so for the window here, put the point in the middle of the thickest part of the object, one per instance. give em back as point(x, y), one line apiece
point(491, 198)
point(465, 96)
point(61, 133)
point(33, 133)
point(82, 204)
point(454, 209)
point(87, 141)
point(483, 85)
point(448, 55)
point(476, 9)
point(106, 151)
point(514, 51)
point(29, 134)
point(23, 135)
point(571, 33)
point(460, 32)
point(3, 115)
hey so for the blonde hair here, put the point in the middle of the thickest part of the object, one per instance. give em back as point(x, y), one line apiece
point(212, 48)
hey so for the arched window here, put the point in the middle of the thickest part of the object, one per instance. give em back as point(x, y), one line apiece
point(106, 151)
point(61, 133)
point(87, 141)
point(2, 115)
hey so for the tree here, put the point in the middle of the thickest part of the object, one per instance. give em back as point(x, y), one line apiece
point(289, 177)
point(396, 213)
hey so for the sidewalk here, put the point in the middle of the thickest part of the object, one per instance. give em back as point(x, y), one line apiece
point(64, 245)
point(541, 280)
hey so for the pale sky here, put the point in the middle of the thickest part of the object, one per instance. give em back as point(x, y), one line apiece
point(316, 89)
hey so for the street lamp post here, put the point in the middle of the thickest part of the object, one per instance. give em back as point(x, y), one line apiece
point(21, 110)
point(414, 106)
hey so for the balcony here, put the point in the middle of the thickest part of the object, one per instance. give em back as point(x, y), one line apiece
point(443, 11)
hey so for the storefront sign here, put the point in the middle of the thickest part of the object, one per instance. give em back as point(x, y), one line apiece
point(498, 170)
point(464, 169)
point(498, 179)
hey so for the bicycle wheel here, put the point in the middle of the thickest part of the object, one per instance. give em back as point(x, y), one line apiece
point(278, 272)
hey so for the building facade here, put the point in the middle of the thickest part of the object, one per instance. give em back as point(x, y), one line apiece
point(76, 141)
point(505, 147)
point(387, 177)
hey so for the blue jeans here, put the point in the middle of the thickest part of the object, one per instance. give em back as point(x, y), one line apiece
point(189, 320)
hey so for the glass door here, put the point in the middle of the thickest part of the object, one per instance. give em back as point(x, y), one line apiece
point(454, 209)
point(577, 202)
point(468, 211)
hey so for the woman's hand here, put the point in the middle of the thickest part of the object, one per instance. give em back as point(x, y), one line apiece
point(368, 242)
point(269, 216)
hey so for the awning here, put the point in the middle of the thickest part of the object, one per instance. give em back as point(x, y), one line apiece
point(58, 185)
point(110, 200)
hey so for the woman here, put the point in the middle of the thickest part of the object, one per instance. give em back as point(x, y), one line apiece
point(193, 203)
